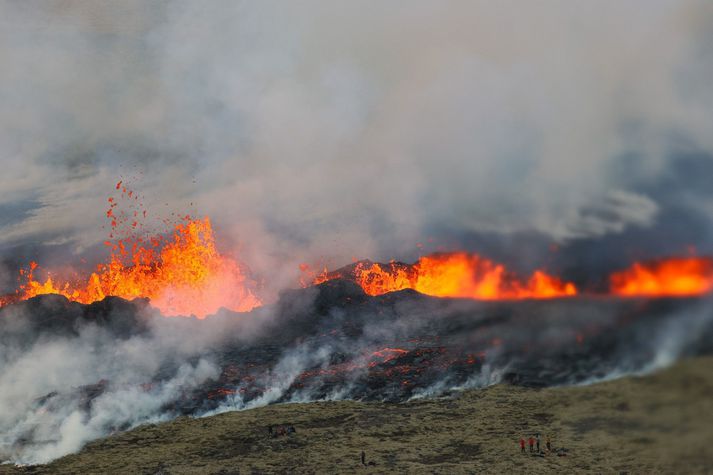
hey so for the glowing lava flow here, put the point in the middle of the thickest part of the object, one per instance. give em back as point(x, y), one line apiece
point(181, 274)
point(184, 274)
point(458, 274)
point(680, 276)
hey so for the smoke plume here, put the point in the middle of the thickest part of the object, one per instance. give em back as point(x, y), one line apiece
point(323, 131)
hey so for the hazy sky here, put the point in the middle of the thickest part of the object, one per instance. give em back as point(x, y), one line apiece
point(326, 130)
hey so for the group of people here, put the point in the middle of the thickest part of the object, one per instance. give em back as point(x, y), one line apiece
point(534, 441)
point(280, 430)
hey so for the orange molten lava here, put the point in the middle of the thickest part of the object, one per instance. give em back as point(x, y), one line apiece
point(181, 275)
point(682, 276)
point(459, 275)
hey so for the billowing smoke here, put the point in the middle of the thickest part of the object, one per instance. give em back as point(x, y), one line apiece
point(323, 131)
point(569, 135)
point(73, 373)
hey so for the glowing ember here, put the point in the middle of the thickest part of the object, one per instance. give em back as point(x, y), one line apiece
point(385, 355)
point(682, 276)
point(457, 274)
point(182, 274)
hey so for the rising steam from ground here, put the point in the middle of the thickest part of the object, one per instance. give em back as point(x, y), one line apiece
point(140, 365)
point(58, 366)
point(64, 385)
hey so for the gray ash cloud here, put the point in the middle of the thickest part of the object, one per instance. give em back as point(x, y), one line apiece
point(328, 130)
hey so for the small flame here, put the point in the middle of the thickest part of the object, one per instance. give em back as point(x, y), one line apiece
point(677, 276)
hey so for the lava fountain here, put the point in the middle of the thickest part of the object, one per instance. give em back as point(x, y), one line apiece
point(182, 273)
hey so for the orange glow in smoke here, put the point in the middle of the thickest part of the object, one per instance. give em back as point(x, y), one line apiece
point(457, 274)
point(679, 276)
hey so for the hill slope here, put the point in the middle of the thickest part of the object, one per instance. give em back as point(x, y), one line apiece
point(662, 422)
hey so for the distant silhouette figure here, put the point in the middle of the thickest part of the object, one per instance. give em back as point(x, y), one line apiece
point(531, 443)
point(363, 458)
point(538, 443)
point(548, 444)
point(522, 445)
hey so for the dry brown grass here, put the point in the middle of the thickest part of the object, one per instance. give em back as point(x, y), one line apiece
point(661, 423)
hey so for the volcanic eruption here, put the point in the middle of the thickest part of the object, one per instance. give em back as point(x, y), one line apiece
point(558, 171)
point(464, 275)
point(182, 273)
point(375, 331)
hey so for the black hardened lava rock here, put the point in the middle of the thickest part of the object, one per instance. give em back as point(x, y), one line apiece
point(333, 340)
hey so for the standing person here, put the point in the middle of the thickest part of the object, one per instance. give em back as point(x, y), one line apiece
point(531, 443)
point(548, 444)
point(538, 442)
point(522, 445)
point(363, 458)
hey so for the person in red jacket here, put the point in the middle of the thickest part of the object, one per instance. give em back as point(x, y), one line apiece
point(531, 442)
point(522, 445)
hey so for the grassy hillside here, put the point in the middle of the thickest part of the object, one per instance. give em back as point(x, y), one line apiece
point(657, 423)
